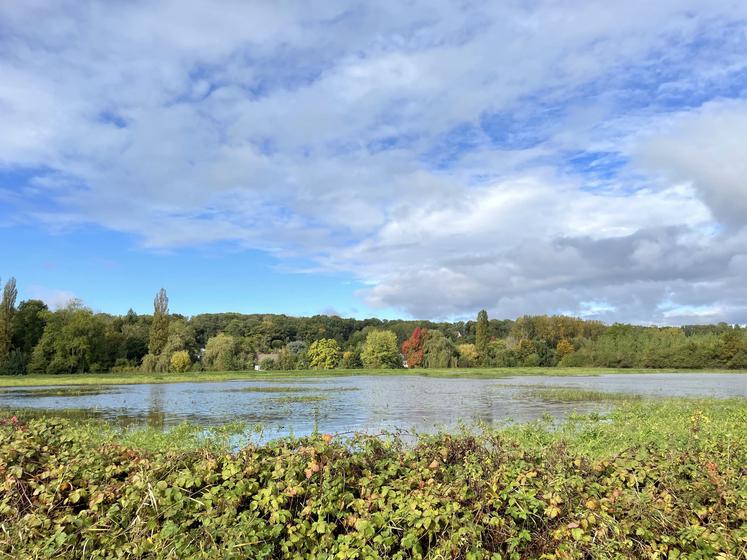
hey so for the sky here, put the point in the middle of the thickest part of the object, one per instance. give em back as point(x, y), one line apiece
point(398, 159)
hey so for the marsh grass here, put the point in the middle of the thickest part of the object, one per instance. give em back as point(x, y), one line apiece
point(65, 391)
point(291, 389)
point(299, 399)
point(570, 394)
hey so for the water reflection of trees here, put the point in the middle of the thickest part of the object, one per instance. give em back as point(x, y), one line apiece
point(156, 417)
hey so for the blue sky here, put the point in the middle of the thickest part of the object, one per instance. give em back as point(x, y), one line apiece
point(421, 159)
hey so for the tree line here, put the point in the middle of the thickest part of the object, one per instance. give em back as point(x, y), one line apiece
point(74, 339)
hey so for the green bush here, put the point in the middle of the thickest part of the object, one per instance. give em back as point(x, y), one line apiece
point(180, 362)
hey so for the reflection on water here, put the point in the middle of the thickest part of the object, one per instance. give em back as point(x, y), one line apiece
point(366, 403)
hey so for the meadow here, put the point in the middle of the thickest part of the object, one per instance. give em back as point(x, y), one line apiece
point(651, 479)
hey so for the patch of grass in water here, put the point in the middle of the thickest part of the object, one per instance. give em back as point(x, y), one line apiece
point(568, 394)
point(290, 389)
point(298, 399)
point(280, 389)
point(70, 391)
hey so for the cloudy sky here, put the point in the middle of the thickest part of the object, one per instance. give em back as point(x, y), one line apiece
point(403, 159)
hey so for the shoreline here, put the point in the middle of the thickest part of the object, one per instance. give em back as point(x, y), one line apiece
point(137, 378)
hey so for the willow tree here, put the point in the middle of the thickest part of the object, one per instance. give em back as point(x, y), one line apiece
point(159, 329)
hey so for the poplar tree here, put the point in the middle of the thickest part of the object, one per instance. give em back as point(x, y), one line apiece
point(159, 329)
point(481, 336)
point(7, 309)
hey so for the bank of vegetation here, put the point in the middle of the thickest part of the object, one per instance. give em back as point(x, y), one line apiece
point(74, 339)
point(663, 479)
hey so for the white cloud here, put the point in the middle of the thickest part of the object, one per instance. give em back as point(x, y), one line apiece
point(426, 148)
point(707, 148)
point(54, 298)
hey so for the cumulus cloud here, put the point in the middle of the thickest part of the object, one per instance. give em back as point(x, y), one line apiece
point(706, 147)
point(543, 157)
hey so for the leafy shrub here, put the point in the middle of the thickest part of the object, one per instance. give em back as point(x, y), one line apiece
point(180, 362)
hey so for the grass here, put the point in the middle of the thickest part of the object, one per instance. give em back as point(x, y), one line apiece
point(568, 394)
point(211, 376)
point(298, 399)
point(69, 391)
point(673, 423)
point(291, 389)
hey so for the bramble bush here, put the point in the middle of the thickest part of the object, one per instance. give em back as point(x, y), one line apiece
point(68, 493)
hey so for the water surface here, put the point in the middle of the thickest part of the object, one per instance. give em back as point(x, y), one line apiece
point(370, 404)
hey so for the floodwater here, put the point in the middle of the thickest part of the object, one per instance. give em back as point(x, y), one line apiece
point(371, 404)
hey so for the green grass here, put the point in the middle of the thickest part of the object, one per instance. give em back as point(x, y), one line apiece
point(673, 423)
point(568, 394)
point(291, 389)
point(479, 373)
point(298, 399)
point(67, 391)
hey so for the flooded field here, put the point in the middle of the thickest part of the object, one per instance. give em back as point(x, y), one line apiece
point(362, 403)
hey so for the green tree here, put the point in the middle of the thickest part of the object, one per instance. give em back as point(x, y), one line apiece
point(438, 351)
point(324, 353)
point(73, 342)
point(159, 329)
point(351, 359)
point(381, 350)
point(28, 325)
point(7, 310)
point(482, 337)
point(220, 353)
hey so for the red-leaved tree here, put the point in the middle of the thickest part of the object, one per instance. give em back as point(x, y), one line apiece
point(412, 348)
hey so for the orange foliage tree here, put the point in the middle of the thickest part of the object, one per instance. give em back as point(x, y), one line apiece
point(413, 347)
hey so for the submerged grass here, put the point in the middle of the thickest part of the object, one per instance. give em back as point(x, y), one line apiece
point(479, 373)
point(291, 389)
point(298, 399)
point(569, 394)
point(69, 391)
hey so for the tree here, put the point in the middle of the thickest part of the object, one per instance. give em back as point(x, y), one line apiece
point(7, 310)
point(181, 337)
point(351, 359)
point(380, 350)
point(73, 342)
point(220, 353)
point(324, 353)
point(564, 348)
point(227, 353)
point(412, 348)
point(28, 325)
point(180, 362)
point(482, 337)
point(159, 329)
point(438, 351)
point(468, 356)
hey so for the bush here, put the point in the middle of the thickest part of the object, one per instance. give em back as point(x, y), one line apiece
point(149, 363)
point(267, 364)
point(180, 362)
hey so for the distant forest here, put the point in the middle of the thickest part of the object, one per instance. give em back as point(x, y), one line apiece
point(73, 339)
